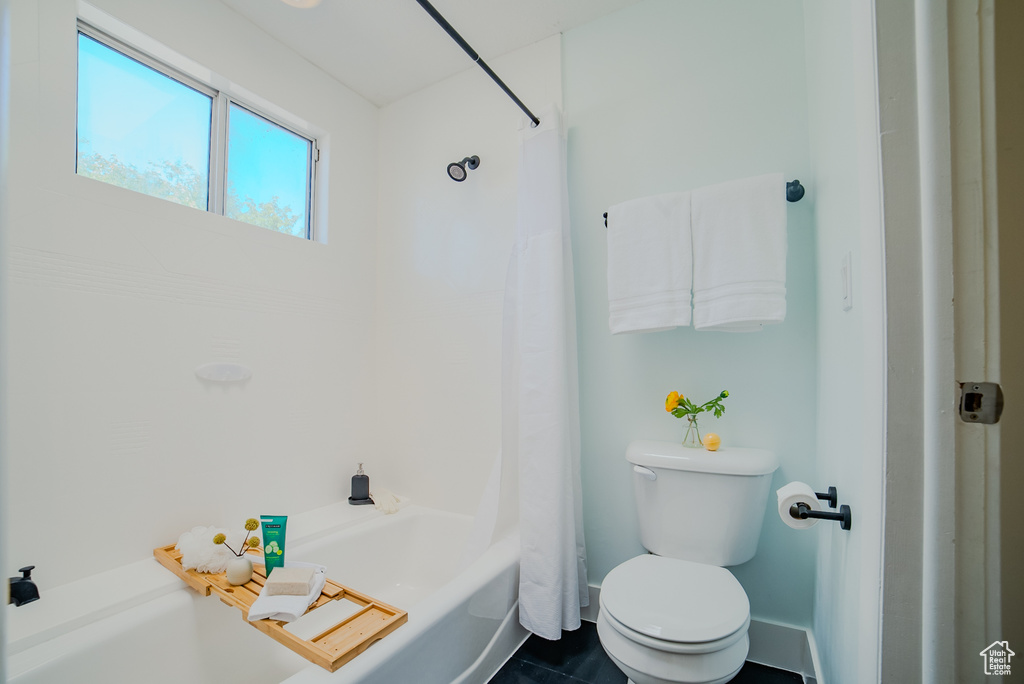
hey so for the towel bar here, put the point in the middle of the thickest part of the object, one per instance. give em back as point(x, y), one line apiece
point(794, 193)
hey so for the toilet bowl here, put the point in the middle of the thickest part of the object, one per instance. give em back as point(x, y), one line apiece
point(663, 620)
point(677, 615)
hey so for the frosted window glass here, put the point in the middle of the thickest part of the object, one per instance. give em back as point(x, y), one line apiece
point(140, 129)
point(268, 174)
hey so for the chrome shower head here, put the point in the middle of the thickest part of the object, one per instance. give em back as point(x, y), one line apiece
point(457, 170)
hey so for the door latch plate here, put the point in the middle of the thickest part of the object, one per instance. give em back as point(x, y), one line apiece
point(981, 402)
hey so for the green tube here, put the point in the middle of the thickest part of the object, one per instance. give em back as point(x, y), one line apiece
point(273, 540)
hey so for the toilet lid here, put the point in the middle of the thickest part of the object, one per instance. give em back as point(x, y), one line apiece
point(675, 600)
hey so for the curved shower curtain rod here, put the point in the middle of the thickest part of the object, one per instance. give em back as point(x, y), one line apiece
point(474, 56)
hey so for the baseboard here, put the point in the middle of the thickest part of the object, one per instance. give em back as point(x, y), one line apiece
point(773, 644)
point(785, 647)
point(812, 646)
point(589, 613)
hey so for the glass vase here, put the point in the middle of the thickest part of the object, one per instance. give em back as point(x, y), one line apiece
point(692, 437)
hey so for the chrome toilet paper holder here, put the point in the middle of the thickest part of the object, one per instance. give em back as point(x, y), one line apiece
point(802, 511)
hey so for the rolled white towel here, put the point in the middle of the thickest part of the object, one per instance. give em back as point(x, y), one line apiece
point(384, 500)
point(284, 607)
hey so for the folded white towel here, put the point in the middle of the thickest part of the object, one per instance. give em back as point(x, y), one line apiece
point(288, 608)
point(384, 500)
point(650, 269)
point(739, 254)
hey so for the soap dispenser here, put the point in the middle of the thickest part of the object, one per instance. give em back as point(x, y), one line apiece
point(360, 488)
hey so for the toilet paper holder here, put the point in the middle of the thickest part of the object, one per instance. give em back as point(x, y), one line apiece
point(832, 496)
point(802, 511)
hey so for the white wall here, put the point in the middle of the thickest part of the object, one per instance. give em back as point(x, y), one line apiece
point(115, 297)
point(671, 95)
point(443, 249)
point(851, 363)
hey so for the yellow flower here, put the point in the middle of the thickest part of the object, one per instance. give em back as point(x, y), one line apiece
point(672, 401)
point(219, 538)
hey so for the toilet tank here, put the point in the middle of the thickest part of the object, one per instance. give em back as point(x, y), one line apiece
point(698, 505)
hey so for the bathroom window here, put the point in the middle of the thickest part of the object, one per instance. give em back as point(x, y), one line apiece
point(268, 173)
point(146, 127)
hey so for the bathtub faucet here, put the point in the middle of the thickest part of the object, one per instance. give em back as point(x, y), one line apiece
point(23, 589)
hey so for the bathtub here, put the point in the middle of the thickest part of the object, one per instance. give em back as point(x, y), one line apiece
point(409, 560)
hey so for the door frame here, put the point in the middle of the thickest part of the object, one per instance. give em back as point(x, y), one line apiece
point(5, 79)
point(940, 598)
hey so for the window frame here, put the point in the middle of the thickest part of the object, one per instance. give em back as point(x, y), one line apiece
point(221, 101)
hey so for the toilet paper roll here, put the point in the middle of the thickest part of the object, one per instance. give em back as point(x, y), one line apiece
point(794, 493)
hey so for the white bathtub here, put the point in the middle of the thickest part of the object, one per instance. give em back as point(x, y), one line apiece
point(462, 625)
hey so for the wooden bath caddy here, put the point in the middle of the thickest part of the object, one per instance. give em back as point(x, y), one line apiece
point(330, 649)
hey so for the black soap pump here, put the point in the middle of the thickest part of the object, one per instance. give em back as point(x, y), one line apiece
point(360, 488)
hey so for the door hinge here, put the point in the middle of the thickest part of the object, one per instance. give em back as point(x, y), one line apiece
point(981, 402)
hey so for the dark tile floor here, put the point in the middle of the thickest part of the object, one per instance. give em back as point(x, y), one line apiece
point(577, 658)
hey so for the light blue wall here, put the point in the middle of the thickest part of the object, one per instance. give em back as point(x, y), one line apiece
point(669, 95)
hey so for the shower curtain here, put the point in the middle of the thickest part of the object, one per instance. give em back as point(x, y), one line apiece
point(540, 408)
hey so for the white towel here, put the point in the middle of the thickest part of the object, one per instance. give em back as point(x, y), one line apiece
point(198, 550)
point(384, 500)
point(649, 264)
point(288, 608)
point(739, 254)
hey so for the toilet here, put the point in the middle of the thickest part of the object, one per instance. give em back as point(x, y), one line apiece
point(676, 614)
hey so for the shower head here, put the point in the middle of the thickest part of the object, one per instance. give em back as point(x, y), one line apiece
point(457, 170)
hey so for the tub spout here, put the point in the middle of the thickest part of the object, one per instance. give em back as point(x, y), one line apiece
point(23, 589)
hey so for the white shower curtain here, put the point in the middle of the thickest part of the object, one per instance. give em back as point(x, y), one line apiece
point(540, 420)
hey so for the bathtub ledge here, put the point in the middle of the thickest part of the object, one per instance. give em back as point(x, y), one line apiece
point(76, 604)
point(332, 518)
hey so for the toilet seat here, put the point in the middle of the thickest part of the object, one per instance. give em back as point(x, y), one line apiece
point(674, 646)
point(668, 621)
point(675, 605)
point(645, 665)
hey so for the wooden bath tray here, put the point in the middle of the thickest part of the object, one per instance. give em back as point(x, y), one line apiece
point(330, 649)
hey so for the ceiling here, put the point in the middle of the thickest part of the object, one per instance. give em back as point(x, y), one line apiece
point(387, 49)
